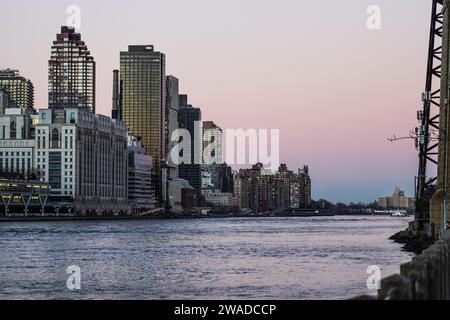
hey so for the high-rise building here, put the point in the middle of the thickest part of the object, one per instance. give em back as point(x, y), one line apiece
point(212, 143)
point(143, 105)
point(172, 108)
point(71, 73)
point(305, 187)
point(190, 118)
point(143, 77)
point(19, 89)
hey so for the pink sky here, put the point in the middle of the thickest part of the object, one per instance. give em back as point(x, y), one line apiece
point(335, 89)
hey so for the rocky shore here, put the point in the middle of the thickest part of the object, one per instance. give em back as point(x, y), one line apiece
point(411, 242)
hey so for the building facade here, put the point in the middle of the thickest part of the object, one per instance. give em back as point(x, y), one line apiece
point(172, 109)
point(212, 143)
point(398, 200)
point(71, 73)
point(84, 157)
point(143, 77)
point(190, 118)
point(17, 143)
point(260, 191)
point(140, 191)
point(20, 90)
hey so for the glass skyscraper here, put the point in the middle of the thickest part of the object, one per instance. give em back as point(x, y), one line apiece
point(71, 73)
point(143, 78)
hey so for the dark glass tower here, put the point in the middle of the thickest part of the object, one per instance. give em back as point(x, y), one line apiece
point(71, 73)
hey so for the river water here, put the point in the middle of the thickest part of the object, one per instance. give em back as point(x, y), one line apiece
point(239, 258)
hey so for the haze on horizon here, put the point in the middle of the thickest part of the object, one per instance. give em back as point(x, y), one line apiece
point(335, 89)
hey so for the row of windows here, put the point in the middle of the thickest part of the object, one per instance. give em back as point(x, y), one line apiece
point(17, 154)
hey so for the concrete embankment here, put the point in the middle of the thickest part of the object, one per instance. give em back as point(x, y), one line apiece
point(426, 277)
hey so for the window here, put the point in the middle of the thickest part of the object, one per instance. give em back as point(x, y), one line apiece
point(55, 138)
point(13, 130)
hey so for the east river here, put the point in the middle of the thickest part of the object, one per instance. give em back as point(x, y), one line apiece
point(235, 258)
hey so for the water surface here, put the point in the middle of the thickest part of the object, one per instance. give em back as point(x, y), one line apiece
point(242, 258)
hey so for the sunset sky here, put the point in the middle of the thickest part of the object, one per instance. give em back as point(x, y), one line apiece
point(335, 89)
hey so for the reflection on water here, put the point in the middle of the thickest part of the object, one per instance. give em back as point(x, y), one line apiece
point(245, 258)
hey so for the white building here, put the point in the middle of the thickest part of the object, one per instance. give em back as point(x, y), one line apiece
point(16, 142)
point(217, 198)
point(84, 156)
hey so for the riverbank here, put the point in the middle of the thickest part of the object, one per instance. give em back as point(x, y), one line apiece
point(412, 243)
point(158, 217)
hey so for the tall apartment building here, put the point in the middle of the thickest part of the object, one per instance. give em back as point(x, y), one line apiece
point(71, 73)
point(262, 192)
point(20, 90)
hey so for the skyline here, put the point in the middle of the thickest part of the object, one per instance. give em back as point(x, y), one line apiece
point(360, 166)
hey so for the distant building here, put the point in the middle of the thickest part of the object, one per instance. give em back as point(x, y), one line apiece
point(259, 191)
point(190, 118)
point(217, 177)
point(300, 194)
point(212, 143)
point(191, 173)
point(71, 73)
point(398, 200)
point(172, 109)
point(20, 90)
point(218, 198)
point(179, 198)
point(189, 198)
point(140, 191)
point(242, 189)
point(17, 143)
